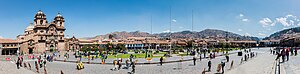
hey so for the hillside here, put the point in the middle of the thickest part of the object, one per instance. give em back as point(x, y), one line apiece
point(281, 34)
point(207, 33)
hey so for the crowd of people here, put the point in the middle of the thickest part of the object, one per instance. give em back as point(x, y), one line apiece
point(117, 64)
point(284, 53)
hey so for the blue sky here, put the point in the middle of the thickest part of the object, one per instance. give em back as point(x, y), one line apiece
point(88, 18)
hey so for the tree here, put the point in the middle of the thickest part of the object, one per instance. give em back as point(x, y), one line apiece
point(121, 47)
point(84, 48)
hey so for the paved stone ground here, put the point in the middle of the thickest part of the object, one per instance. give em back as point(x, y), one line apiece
point(292, 66)
point(9, 67)
point(169, 68)
point(262, 64)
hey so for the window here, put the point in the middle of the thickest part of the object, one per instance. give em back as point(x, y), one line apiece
point(41, 38)
point(60, 24)
point(41, 22)
point(60, 38)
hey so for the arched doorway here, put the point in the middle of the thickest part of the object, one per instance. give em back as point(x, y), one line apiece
point(30, 50)
point(51, 48)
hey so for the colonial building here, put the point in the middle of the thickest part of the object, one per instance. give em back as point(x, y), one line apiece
point(42, 36)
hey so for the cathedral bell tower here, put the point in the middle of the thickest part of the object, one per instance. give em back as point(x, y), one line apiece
point(59, 20)
point(40, 18)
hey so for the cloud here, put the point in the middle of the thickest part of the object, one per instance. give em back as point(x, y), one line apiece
point(286, 21)
point(1, 36)
point(166, 31)
point(245, 20)
point(242, 18)
point(266, 22)
point(283, 21)
point(240, 30)
point(262, 34)
point(241, 15)
point(174, 20)
point(247, 34)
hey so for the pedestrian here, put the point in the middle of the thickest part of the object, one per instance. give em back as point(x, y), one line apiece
point(278, 55)
point(227, 58)
point(21, 60)
point(133, 67)
point(25, 66)
point(200, 57)
point(283, 55)
point(245, 57)
point(194, 59)
point(41, 63)
point(29, 66)
point(296, 53)
point(44, 63)
point(231, 65)
point(287, 53)
point(209, 65)
point(241, 60)
point(120, 64)
point(115, 65)
point(36, 66)
point(18, 63)
point(45, 70)
point(127, 64)
point(61, 72)
point(161, 60)
point(131, 57)
point(223, 65)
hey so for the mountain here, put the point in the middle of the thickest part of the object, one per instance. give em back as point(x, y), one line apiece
point(283, 33)
point(207, 33)
point(123, 34)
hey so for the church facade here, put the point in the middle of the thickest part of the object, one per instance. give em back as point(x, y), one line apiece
point(42, 35)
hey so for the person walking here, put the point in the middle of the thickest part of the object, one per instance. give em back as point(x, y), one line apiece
point(115, 65)
point(161, 59)
point(227, 57)
point(127, 64)
point(120, 64)
point(133, 67)
point(287, 53)
point(283, 55)
point(18, 63)
point(295, 51)
point(29, 66)
point(209, 65)
point(44, 63)
point(194, 59)
point(36, 66)
point(223, 65)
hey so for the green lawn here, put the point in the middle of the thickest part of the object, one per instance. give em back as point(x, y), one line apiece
point(140, 55)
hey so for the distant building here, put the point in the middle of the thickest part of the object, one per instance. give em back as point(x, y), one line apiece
point(269, 43)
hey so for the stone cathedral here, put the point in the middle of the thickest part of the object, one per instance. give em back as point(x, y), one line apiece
point(41, 35)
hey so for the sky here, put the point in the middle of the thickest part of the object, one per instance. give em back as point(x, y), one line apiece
point(88, 18)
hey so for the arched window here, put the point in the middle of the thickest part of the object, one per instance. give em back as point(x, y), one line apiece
point(60, 23)
point(41, 22)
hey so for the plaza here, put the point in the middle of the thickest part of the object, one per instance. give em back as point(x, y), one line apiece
point(262, 63)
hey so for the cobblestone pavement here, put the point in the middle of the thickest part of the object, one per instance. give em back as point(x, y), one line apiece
point(9, 67)
point(292, 66)
point(168, 68)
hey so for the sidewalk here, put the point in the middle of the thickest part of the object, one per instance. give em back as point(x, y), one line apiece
point(9, 67)
point(260, 65)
